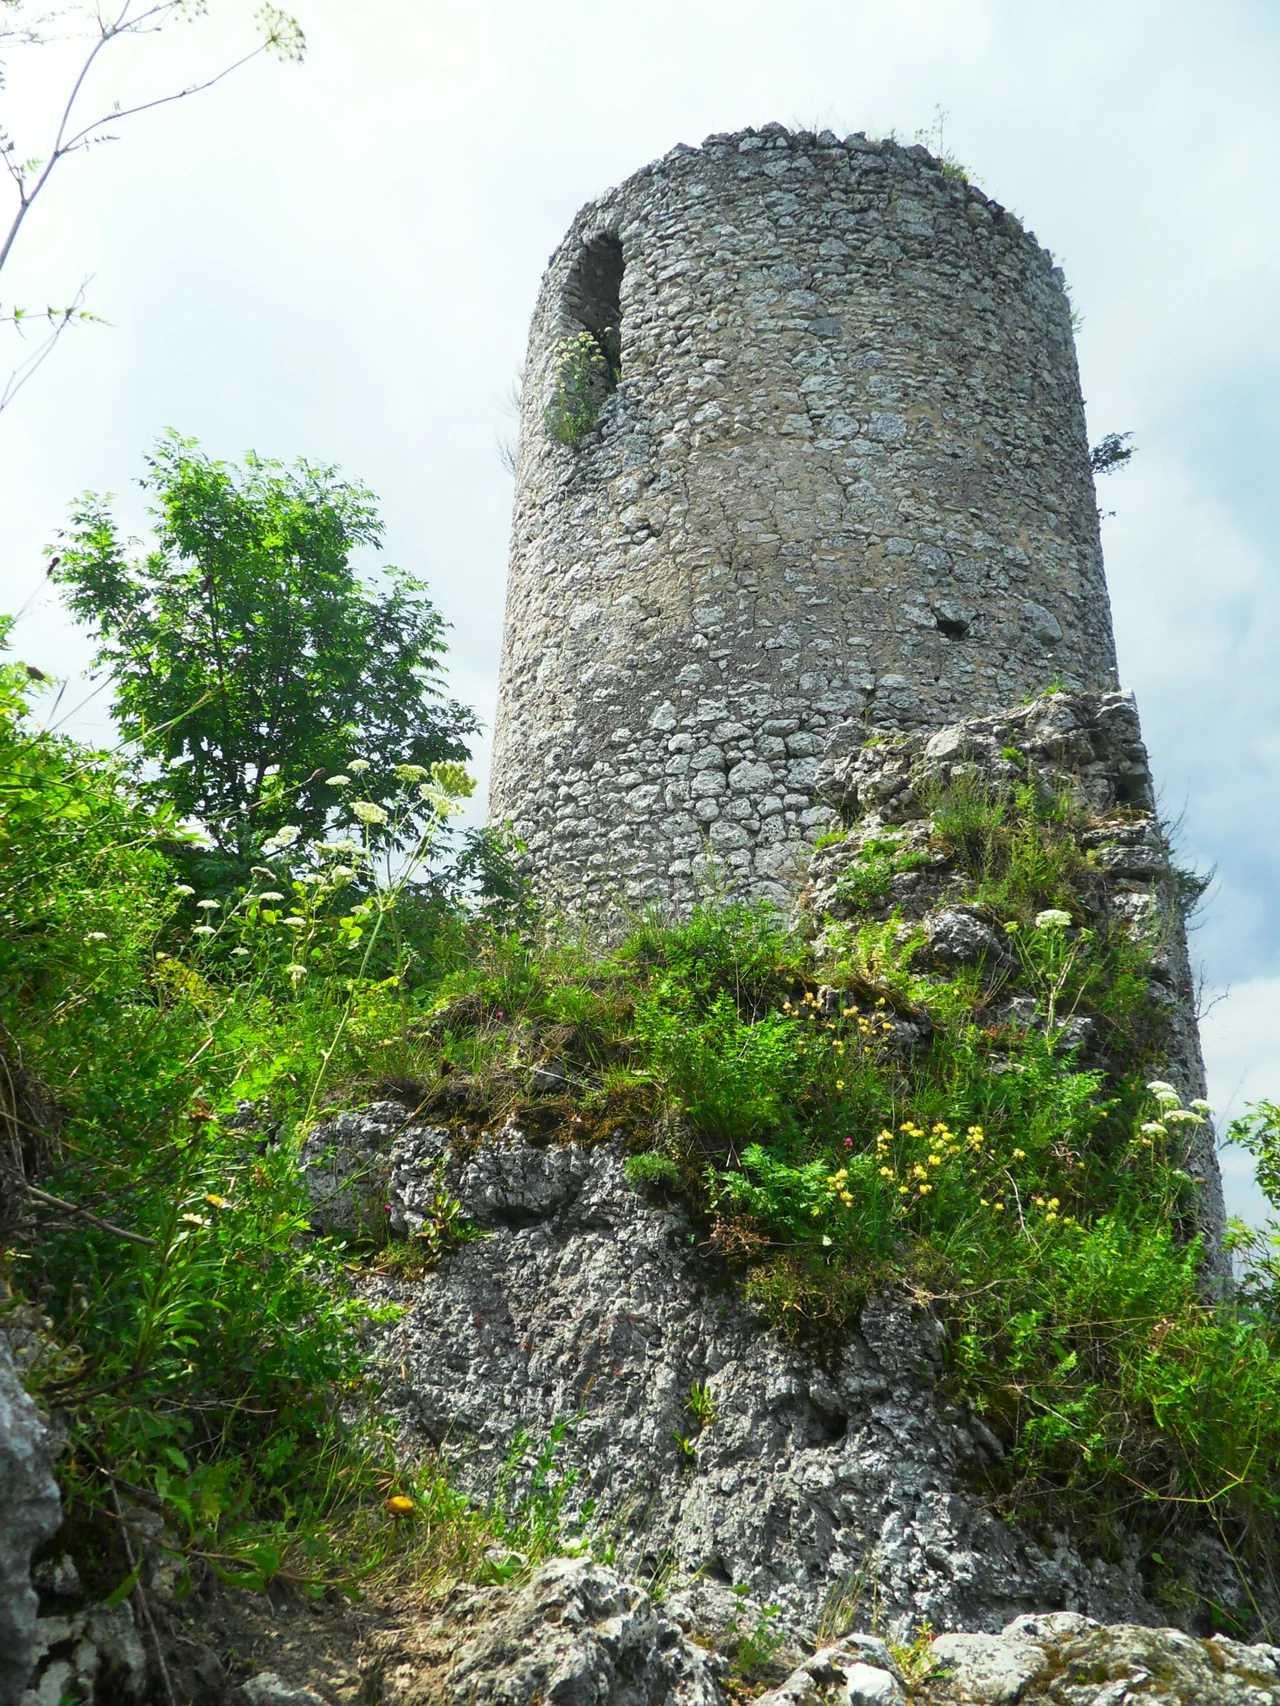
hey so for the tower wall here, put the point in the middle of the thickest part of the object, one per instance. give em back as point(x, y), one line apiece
point(843, 474)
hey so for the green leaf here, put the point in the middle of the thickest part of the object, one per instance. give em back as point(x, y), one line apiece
point(118, 1595)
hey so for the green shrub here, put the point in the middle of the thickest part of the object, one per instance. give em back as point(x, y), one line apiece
point(651, 1168)
point(249, 661)
point(1020, 848)
point(730, 1075)
point(203, 1342)
point(869, 878)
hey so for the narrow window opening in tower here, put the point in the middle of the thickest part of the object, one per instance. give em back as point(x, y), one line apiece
point(593, 298)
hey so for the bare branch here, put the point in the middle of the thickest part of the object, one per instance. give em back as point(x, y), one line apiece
point(84, 137)
point(84, 1214)
point(280, 35)
point(59, 319)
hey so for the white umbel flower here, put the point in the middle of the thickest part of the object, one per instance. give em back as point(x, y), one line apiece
point(1052, 919)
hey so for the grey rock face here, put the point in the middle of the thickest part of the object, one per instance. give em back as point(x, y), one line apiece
point(30, 1511)
point(959, 937)
point(581, 1635)
point(590, 1307)
point(857, 1671)
point(577, 1633)
point(92, 1656)
point(1099, 1667)
point(1049, 1625)
point(1056, 1659)
point(989, 1668)
point(344, 1163)
point(844, 472)
point(267, 1689)
point(1088, 743)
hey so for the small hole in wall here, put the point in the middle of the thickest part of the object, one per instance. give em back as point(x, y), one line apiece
point(952, 627)
point(593, 298)
point(829, 1426)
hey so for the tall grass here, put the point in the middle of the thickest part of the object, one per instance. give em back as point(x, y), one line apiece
point(833, 1129)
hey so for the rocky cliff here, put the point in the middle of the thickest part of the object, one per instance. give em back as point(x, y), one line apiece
point(590, 1313)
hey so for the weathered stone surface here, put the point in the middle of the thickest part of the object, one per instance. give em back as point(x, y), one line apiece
point(857, 1671)
point(344, 1163)
point(844, 474)
point(957, 936)
point(1090, 742)
point(580, 1635)
point(988, 1667)
point(1047, 1659)
point(1119, 1666)
point(94, 1657)
point(267, 1689)
point(57, 1577)
point(1049, 1625)
point(590, 1307)
point(30, 1511)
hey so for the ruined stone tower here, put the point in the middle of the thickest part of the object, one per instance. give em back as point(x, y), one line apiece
point(839, 471)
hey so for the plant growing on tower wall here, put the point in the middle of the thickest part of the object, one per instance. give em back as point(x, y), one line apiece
point(586, 370)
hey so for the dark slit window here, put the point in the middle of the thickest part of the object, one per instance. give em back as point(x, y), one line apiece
point(593, 298)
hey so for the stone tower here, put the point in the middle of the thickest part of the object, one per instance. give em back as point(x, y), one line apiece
point(839, 470)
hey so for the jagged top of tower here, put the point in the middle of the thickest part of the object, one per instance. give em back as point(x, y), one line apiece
point(907, 159)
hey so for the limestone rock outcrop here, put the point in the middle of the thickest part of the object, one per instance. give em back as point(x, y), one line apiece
point(30, 1511)
point(1056, 1659)
point(583, 1320)
point(578, 1634)
point(93, 1656)
point(579, 1326)
point(579, 1631)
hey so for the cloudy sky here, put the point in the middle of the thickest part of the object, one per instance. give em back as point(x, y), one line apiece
point(338, 261)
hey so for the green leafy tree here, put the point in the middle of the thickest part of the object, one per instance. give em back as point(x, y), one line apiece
point(250, 661)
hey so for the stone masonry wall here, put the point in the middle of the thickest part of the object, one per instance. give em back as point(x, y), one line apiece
point(844, 474)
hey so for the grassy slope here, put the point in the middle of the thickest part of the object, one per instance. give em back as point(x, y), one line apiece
point(857, 1121)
